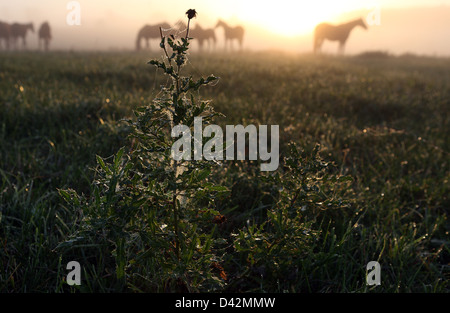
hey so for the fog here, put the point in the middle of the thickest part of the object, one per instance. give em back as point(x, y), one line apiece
point(419, 30)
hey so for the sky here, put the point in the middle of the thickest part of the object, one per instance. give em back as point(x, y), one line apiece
point(403, 26)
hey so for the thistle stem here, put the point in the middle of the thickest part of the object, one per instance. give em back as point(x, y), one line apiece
point(187, 30)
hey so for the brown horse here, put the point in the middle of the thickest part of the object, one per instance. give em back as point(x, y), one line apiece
point(5, 33)
point(202, 35)
point(148, 32)
point(44, 35)
point(20, 30)
point(337, 33)
point(232, 33)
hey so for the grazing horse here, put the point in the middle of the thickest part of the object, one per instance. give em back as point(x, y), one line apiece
point(232, 33)
point(44, 35)
point(5, 33)
point(20, 30)
point(337, 33)
point(148, 32)
point(202, 35)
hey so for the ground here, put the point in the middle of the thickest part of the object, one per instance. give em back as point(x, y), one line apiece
point(381, 120)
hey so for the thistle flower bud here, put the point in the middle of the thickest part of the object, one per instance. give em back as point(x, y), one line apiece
point(191, 13)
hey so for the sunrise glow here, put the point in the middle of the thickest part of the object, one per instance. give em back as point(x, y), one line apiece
point(290, 18)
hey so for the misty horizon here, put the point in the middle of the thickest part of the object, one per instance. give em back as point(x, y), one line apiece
point(418, 30)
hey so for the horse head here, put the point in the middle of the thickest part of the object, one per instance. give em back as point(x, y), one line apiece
point(362, 24)
point(219, 23)
point(31, 27)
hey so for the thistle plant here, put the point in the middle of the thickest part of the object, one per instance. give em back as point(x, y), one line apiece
point(177, 106)
point(153, 215)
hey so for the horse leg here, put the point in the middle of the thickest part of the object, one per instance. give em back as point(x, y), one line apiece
point(341, 47)
point(138, 44)
point(318, 45)
point(315, 45)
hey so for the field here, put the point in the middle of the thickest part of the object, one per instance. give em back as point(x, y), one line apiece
point(381, 125)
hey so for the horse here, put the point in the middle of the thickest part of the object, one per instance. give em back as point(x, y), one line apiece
point(5, 33)
point(231, 33)
point(148, 32)
point(337, 33)
point(202, 35)
point(20, 30)
point(44, 35)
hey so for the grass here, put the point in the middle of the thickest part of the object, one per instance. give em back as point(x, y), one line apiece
point(382, 121)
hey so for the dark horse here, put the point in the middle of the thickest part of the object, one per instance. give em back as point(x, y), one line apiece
point(232, 33)
point(201, 34)
point(337, 33)
point(5, 33)
point(44, 35)
point(148, 32)
point(20, 31)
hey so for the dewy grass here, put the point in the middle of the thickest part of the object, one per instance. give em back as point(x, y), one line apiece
point(382, 122)
point(148, 203)
point(153, 209)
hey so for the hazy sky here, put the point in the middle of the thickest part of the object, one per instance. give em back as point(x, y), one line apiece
point(421, 26)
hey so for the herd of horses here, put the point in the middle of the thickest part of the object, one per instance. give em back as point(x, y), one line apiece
point(200, 34)
point(322, 32)
point(10, 34)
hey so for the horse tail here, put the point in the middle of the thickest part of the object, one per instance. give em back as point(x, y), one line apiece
point(316, 40)
point(138, 41)
point(241, 36)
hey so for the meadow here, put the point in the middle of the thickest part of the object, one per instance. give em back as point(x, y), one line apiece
point(372, 167)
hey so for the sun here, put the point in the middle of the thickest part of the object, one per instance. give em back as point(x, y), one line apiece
point(291, 17)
